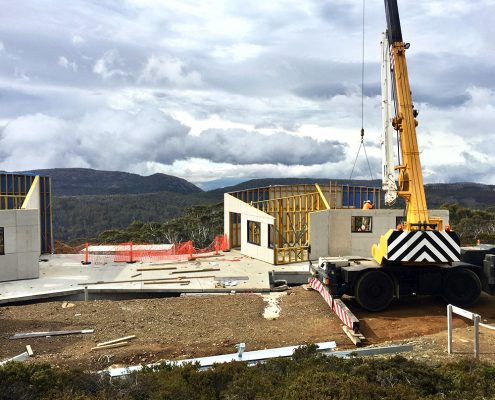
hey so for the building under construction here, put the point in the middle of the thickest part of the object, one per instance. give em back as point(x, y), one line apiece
point(25, 224)
point(284, 224)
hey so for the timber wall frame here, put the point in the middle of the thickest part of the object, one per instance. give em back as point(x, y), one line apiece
point(291, 205)
point(14, 189)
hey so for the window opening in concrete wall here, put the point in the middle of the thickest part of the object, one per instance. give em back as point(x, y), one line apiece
point(361, 224)
point(271, 236)
point(254, 232)
point(2, 242)
point(235, 229)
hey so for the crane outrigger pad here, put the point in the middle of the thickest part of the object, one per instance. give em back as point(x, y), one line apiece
point(337, 305)
point(426, 246)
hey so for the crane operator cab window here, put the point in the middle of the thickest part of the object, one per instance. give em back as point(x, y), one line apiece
point(361, 224)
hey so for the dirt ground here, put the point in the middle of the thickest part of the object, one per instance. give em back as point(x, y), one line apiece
point(185, 327)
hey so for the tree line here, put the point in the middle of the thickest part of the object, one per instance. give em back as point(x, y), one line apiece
point(472, 224)
point(199, 224)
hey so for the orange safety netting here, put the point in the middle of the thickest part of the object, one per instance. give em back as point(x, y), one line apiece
point(132, 252)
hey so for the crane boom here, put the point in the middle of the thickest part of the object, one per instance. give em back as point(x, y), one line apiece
point(411, 186)
point(428, 241)
point(388, 175)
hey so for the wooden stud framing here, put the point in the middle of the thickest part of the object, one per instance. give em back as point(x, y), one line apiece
point(291, 205)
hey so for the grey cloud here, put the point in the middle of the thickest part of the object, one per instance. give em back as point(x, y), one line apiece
point(438, 99)
point(443, 79)
point(15, 103)
point(321, 90)
point(117, 140)
point(241, 147)
point(341, 12)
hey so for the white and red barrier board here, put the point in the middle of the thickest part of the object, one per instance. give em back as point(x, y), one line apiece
point(337, 306)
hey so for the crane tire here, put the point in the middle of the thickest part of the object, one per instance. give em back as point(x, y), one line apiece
point(374, 290)
point(461, 287)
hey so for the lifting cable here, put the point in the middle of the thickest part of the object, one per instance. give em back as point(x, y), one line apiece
point(362, 109)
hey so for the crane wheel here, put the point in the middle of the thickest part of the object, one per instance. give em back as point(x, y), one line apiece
point(461, 287)
point(374, 290)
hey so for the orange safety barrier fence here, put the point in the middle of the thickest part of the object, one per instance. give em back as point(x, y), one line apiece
point(133, 252)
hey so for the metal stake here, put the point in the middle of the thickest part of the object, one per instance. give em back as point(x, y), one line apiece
point(449, 328)
point(476, 336)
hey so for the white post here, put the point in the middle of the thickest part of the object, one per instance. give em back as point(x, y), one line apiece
point(476, 336)
point(86, 293)
point(449, 328)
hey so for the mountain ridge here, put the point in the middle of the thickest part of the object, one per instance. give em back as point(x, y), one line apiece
point(88, 181)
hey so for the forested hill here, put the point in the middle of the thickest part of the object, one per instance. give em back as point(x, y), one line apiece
point(85, 181)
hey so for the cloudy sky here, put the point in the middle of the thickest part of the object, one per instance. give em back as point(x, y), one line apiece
point(225, 90)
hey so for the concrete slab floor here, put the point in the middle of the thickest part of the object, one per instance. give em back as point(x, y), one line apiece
point(62, 275)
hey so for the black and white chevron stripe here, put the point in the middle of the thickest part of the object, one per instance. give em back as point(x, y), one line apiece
point(423, 246)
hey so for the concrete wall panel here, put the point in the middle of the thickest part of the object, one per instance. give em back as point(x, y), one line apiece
point(8, 267)
point(22, 245)
point(28, 239)
point(249, 213)
point(28, 265)
point(26, 217)
point(340, 232)
point(10, 239)
point(7, 218)
point(319, 234)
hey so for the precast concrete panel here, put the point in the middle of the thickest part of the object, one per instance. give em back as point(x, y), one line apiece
point(8, 267)
point(10, 239)
point(28, 265)
point(22, 245)
point(7, 218)
point(319, 233)
point(27, 239)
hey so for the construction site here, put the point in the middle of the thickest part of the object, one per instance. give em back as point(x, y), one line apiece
point(331, 264)
point(251, 283)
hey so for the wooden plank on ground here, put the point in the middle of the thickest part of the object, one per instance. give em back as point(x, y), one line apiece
point(181, 282)
point(172, 262)
point(206, 255)
point(156, 269)
point(110, 346)
point(146, 280)
point(129, 281)
point(122, 339)
point(196, 271)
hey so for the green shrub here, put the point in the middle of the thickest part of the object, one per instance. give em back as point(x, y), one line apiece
point(308, 376)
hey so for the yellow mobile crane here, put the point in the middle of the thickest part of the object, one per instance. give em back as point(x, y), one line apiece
point(433, 242)
point(421, 257)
